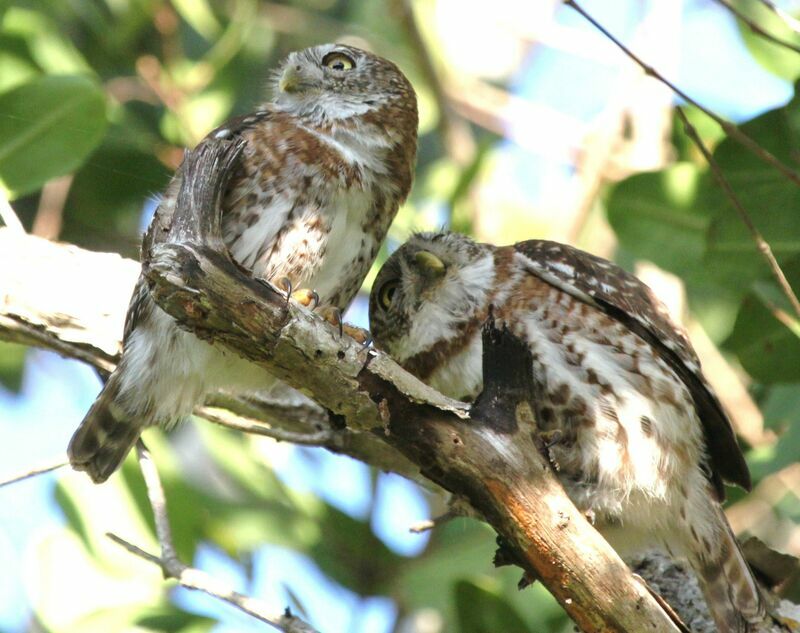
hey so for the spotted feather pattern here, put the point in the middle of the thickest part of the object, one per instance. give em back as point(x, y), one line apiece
point(624, 297)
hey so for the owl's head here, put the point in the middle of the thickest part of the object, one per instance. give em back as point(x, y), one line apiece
point(331, 82)
point(427, 290)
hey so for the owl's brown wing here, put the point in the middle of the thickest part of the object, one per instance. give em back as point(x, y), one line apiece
point(628, 300)
point(141, 302)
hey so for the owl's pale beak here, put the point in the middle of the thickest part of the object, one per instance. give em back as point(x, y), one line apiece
point(429, 264)
point(290, 80)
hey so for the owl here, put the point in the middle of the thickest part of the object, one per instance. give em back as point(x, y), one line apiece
point(325, 167)
point(639, 440)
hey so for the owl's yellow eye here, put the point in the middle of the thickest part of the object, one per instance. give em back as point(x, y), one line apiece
point(338, 61)
point(386, 294)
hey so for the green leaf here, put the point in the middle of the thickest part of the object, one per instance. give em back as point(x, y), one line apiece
point(169, 619)
point(463, 550)
point(781, 407)
point(46, 43)
point(767, 347)
point(779, 60)
point(481, 610)
point(12, 362)
point(770, 200)
point(654, 217)
point(351, 554)
point(48, 128)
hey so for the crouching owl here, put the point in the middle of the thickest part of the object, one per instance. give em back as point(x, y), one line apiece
point(326, 165)
point(644, 443)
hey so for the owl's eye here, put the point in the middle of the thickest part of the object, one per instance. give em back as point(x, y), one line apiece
point(338, 61)
point(386, 294)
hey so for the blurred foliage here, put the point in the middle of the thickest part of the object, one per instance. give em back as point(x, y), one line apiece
point(111, 91)
point(777, 59)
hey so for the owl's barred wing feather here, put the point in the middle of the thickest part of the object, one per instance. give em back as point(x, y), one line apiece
point(628, 300)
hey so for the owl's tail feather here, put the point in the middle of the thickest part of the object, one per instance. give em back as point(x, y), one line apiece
point(731, 591)
point(105, 436)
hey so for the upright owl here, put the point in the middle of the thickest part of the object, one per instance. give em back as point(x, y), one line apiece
point(643, 445)
point(326, 165)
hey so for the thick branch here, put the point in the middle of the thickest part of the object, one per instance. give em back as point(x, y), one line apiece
point(484, 458)
point(73, 302)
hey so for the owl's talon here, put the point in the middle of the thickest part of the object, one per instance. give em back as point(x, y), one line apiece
point(285, 284)
point(551, 438)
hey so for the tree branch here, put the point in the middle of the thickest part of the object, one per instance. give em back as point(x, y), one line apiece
point(73, 302)
point(486, 457)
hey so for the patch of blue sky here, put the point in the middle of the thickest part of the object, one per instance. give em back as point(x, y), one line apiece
point(341, 481)
point(35, 425)
point(399, 503)
point(717, 70)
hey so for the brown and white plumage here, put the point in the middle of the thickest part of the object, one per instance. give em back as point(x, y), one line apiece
point(326, 165)
point(644, 445)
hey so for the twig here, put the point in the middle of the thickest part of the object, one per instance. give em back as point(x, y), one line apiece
point(787, 19)
point(189, 577)
point(761, 243)
point(155, 493)
point(758, 30)
point(33, 472)
point(50, 215)
point(199, 580)
point(324, 437)
point(729, 128)
point(9, 216)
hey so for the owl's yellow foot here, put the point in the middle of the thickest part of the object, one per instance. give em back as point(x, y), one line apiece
point(304, 296)
point(334, 316)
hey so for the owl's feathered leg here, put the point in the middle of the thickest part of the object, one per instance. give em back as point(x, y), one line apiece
point(105, 436)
